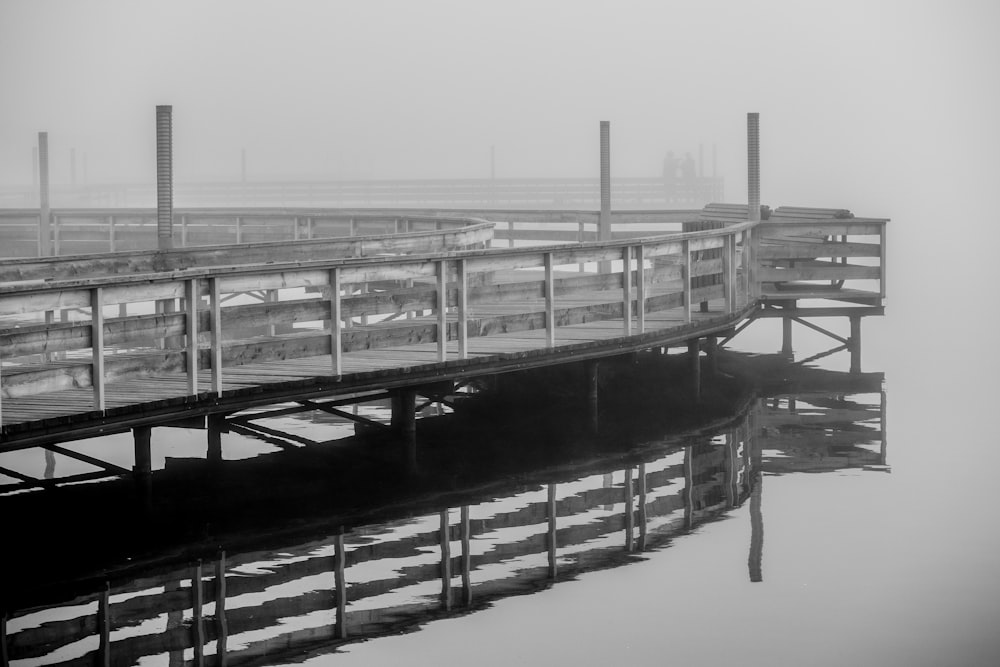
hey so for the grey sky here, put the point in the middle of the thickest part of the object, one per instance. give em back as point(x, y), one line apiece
point(848, 91)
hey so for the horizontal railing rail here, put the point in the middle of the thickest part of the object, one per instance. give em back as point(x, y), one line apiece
point(443, 298)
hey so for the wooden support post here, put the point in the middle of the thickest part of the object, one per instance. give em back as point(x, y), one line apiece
point(694, 354)
point(404, 424)
point(627, 290)
point(711, 356)
point(336, 324)
point(786, 336)
point(466, 534)
point(340, 584)
point(552, 511)
point(463, 310)
point(192, 299)
point(142, 437)
point(104, 627)
point(592, 372)
point(222, 625)
point(687, 279)
point(444, 536)
point(550, 302)
point(215, 322)
point(442, 310)
point(216, 424)
point(855, 344)
point(97, 345)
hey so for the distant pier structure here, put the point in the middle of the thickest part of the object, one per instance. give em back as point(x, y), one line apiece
point(661, 192)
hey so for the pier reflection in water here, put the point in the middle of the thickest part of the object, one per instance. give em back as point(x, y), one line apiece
point(347, 581)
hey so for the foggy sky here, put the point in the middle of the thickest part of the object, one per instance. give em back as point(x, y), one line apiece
point(855, 97)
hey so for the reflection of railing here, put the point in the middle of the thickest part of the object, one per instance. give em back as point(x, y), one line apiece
point(377, 579)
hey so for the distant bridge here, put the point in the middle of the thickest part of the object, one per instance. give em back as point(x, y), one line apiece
point(101, 343)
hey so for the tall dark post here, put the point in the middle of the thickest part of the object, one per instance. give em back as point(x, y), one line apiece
point(753, 165)
point(855, 344)
point(45, 212)
point(164, 178)
point(604, 225)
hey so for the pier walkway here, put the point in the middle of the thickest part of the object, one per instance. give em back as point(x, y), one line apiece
point(92, 344)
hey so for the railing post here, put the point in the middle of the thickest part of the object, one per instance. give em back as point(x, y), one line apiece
point(215, 321)
point(44, 212)
point(881, 262)
point(97, 345)
point(442, 310)
point(336, 323)
point(627, 290)
point(640, 283)
point(727, 271)
point(550, 302)
point(193, 297)
point(687, 279)
point(463, 310)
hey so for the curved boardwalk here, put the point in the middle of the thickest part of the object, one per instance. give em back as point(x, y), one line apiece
point(118, 340)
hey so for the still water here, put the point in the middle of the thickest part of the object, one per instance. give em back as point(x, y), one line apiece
point(815, 526)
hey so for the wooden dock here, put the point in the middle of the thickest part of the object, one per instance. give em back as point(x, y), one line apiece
point(99, 343)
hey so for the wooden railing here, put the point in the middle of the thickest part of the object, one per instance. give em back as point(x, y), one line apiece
point(538, 287)
point(88, 231)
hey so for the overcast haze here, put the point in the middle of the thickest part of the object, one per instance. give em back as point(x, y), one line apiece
point(847, 91)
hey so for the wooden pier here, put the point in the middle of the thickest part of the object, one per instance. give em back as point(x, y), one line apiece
point(93, 344)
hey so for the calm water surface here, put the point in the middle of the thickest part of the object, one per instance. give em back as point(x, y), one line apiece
point(752, 550)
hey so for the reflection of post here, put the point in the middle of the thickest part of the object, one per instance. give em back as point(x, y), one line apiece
point(340, 590)
point(466, 557)
point(629, 511)
point(642, 507)
point(786, 336)
point(729, 466)
point(222, 626)
point(855, 342)
point(104, 627)
point(883, 450)
point(197, 605)
point(755, 561)
point(552, 542)
point(50, 464)
point(175, 619)
point(756, 557)
point(445, 538)
point(688, 487)
point(4, 660)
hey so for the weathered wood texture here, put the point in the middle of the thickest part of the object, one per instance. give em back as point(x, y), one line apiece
point(259, 324)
